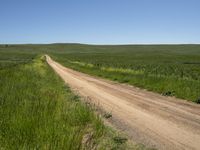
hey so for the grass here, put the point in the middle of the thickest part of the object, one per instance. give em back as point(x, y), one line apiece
point(38, 111)
point(159, 68)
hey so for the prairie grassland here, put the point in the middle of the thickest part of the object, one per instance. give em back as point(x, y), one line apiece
point(38, 111)
point(172, 70)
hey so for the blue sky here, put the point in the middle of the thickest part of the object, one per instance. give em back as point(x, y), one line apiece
point(100, 21)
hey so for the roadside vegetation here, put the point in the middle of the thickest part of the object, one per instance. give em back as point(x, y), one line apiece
point(38, 111)
point(171, 70)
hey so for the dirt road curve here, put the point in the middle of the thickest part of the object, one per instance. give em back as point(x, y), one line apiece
point(149, 118)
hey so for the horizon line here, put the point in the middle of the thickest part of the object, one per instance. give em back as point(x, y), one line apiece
point(51, 43)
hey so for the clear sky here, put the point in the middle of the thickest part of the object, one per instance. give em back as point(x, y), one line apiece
point(100, 21)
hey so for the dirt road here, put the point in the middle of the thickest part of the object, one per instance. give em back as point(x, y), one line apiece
point(148, 118)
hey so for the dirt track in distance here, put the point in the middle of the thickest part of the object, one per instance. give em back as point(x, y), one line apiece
point(149, 118)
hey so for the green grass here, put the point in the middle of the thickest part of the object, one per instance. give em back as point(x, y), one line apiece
point(38, 111)
point(160, 68)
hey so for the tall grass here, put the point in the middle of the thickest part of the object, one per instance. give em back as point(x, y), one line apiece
point(38, 111)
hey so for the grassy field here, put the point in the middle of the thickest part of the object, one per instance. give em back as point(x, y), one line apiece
point(172, 70)
point(38, 111)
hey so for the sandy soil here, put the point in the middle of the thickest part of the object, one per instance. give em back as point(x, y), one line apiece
point(149, 118)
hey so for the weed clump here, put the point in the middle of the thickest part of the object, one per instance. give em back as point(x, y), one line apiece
point(107, 115)
point(120, 140)
point(169, 93)
point(198, 100)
